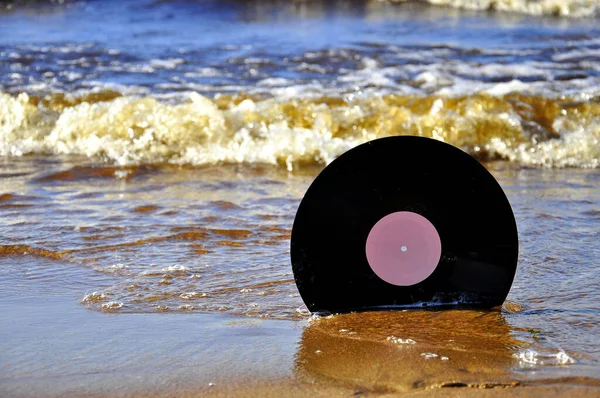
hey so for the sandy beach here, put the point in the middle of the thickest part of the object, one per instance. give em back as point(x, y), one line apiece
point(59, 349)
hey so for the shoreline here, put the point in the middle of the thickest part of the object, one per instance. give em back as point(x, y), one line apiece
point(296, 388)
point(62, 349)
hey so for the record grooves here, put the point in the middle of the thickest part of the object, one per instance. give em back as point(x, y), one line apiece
point(402, 221)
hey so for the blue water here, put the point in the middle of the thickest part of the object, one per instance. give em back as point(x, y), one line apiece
point(251, 41)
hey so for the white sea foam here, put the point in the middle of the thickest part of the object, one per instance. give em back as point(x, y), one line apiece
point(176, 269)
point(93, 297)
point(288, 130)
point(205, 72)
point(112, 305)
point(564, 8)
point(533, 357)
point(578, 54)
point(576, 148)
point(116, 269)
point(429, 355)
point(170, 63)
point(305, 312)
point(192, 295)
point(397, 340)
point(310, 67)
point(274, 82)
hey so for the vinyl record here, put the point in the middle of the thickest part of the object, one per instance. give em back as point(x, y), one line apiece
point(401, 222)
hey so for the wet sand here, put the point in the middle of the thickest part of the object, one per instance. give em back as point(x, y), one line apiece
point(293, 388)
point(57, 348)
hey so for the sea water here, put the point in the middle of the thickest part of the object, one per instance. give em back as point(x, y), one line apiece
point(154, 153)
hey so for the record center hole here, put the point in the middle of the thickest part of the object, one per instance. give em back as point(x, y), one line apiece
point(404, 248)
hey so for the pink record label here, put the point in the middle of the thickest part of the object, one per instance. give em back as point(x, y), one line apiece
point(403, 248)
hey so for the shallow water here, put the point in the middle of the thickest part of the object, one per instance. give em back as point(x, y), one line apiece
point(154, 155)
point(216, 239)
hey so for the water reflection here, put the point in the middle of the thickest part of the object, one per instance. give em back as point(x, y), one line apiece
point(402, 351)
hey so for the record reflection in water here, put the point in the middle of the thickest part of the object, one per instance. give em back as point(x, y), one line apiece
point(403, 351)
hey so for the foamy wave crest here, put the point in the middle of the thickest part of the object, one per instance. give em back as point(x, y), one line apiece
point(144, 130)
point(529, 130)
point(579, 147)
point(563, 8)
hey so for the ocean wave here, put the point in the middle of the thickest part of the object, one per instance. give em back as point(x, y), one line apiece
point(560, 8)
point(125, 130)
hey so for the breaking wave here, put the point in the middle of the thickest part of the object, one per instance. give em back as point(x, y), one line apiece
point(559, 8)
point(526, 129)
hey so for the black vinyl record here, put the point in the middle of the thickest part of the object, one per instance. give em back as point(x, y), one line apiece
point(401, 222)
